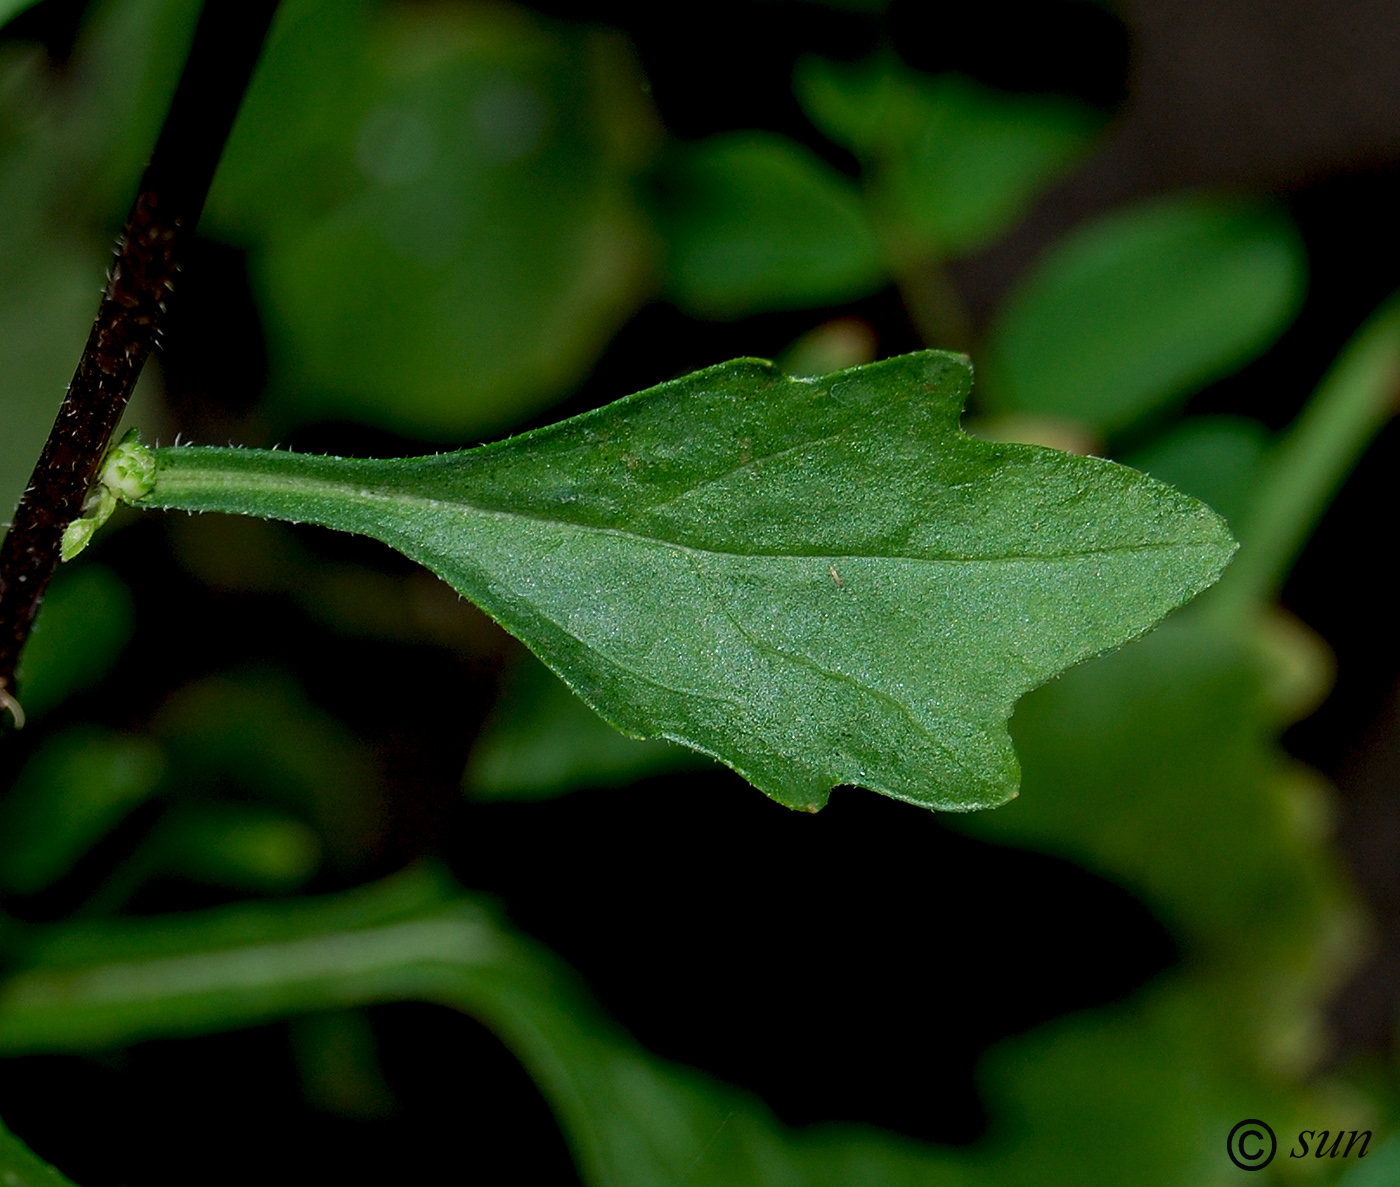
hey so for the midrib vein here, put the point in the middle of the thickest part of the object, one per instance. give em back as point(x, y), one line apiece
point(205, 479)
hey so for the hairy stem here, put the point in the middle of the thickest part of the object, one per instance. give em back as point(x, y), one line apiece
point(226, 46)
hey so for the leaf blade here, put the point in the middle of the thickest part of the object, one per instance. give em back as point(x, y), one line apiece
point(818, 582)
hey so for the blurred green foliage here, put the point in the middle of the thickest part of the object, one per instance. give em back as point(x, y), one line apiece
point(1144, 306)
point(441, 205)
point(250, 848)
point(68, 796)
point(254, 733)
point(447, 212)
point(755, 222)
point(542, 741)
point(12, 8)
point(1385, 1169)
point(949, 164)
point(71, 151)
point(86, 620)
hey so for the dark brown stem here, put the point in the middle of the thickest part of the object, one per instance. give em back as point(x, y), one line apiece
point(226, 46)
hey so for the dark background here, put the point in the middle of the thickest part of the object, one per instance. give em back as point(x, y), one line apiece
point(670, 897)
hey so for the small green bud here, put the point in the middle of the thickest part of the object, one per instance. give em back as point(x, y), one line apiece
point(129, 469)
point(97, 509)
point(127, 472)
point(75, 538)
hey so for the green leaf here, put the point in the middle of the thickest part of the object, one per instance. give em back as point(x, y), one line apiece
point(632, 1120)
point(244, 847)
point(1383, 1170)
point(68, 796)
point(541, 741)
point(19, 1167)
point(9, 9)
point(1142, 1092)
point(816, 581)
point(951, 164)
point(1139, 308)
point(753, 221)
point(439, 205)
point(48, 294)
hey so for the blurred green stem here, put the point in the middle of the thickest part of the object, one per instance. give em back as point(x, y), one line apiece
point(1310, 461)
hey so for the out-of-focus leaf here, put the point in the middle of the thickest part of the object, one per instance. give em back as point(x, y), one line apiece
point(1215, 459)
point(19, 1167)
point(1142, 306)
point(816, 581)
point(1158, 767)
point(951, 163)
point(69, 795)
point(244, 847)
point(9, 9)
point(632, 1120)
point(85, 621)
point(46, 305)
point(124, 75)
point(1381, 1168)
point(542, 741)
point(1138, 1093)
point(439, 199)
point(256, 730)
point(753, 221)
point(1298, 667)
point(1149, 765)
point(835, 345)
point(48, 291)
